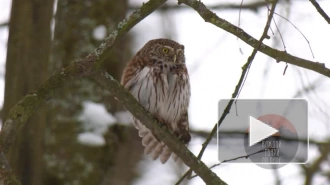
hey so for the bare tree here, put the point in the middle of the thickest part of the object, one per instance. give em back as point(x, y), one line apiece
point(92, 66)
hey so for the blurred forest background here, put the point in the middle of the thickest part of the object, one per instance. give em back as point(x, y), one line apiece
point(83, 136)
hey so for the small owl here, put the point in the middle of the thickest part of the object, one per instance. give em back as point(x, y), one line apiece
point(157, 77)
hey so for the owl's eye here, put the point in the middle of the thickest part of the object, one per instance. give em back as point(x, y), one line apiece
point(165, 50)
point(180, 53)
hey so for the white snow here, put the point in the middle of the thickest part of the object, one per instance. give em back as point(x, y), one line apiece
point(96, 120)
point(95, 117)
point(91, 139)
point(124, 117)
point(99, 32)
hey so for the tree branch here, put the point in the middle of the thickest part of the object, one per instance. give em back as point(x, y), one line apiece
point(253, 6)
point(236, 134)
point(234, 159)
point(131, 104)
point(89, 67)
point(26, 106)
point(6, 174)
point(19, 114)
point(238, 87)
point(212, 18)
point(320, 10)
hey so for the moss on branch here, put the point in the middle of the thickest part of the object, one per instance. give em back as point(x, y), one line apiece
point(131, 104)
point(21, 112)
point(89, 67)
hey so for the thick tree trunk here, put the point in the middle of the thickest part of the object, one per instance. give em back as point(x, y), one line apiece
point(26, 68)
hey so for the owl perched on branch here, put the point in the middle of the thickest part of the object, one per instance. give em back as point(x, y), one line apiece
point(157, 77)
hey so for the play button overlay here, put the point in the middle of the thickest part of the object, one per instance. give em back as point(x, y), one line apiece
point(259, 131)
point(269, 133)
point(264, 139)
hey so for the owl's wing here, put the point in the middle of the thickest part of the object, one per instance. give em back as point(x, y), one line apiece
point(152, 145)
point(142, 87)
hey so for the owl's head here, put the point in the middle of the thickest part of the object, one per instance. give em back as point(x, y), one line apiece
point(164, 50)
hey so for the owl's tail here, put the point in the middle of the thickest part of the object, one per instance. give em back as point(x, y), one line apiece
point(152, 145)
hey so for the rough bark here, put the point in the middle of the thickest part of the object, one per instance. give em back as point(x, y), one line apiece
point(26, 68)
point(75, 22)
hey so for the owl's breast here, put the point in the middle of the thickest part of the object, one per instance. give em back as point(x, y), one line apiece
point(176, 100)
point(164, 93)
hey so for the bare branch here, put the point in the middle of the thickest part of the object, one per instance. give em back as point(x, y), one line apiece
point(239, 157)
point(240, 83)
point(253, 6)
point(89, 67)
point(161, 131)
point(233, 159)
point(309, 45)
point(19, 114)
point(23, 110)
point(212, 18)
point(320, 10)
point(264, 35)
point(236, 134)
point(310, 169)
point(6, 174)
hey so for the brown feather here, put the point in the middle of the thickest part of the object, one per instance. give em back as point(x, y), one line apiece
point(158, 78)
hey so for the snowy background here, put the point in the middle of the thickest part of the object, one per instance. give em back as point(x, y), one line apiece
point(214, 61)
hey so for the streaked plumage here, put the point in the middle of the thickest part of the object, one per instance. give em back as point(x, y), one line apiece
point(157, 77)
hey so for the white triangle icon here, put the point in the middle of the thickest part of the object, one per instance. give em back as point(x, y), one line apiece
point(259, 131)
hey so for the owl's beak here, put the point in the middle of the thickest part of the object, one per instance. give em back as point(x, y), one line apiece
point(174, 58)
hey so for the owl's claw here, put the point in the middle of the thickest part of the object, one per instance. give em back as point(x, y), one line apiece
point(184, 136)
point(157, 138)
point(162, 124)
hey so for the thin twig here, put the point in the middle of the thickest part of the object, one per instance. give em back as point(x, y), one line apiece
point(279, 32)
point(233, 159)
point(309, 45)
point(279, 56)
point(239, 14)
point(86, 67)
point(236, 158)
point(238, 86)
point(264, 35)
point(239, 25)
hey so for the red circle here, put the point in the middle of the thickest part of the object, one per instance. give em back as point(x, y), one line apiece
point(277, 122)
